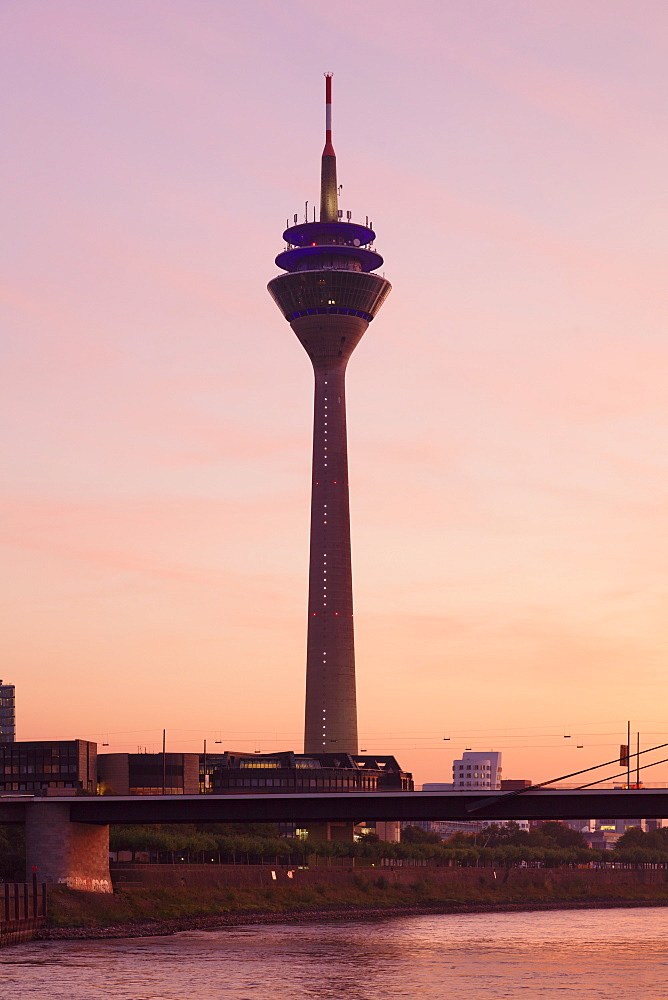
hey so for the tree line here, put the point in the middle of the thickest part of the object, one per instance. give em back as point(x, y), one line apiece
point(551, 845)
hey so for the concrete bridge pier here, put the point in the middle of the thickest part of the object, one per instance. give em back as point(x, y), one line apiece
point(72, 854)
point(326, 830)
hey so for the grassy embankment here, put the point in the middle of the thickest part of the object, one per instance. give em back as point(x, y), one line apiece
point(560, 882)
point(376, 893)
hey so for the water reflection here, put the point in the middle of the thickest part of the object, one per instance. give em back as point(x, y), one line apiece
point(532, 956)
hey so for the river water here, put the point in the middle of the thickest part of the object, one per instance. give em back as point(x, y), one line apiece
point(558, 955)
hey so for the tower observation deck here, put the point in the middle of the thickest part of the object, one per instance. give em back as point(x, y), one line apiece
point(329, 295)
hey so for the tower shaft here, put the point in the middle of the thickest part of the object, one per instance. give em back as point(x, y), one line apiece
point(331, 708)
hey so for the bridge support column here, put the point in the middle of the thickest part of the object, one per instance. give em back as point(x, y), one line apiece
point(72, 854)
point(343, 831)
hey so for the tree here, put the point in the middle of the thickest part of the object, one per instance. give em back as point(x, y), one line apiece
point(633, 837)
point(416, 835)
point(268, 830)
point(555, 833)
point(460, 840)
point(12, 852)
point(496, 835)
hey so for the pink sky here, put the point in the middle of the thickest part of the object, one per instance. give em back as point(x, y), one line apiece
point(508, 420)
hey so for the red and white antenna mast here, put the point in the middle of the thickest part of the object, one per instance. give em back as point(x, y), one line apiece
point(329, 197)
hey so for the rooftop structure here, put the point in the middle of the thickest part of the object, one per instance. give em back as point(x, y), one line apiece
point(329, 295)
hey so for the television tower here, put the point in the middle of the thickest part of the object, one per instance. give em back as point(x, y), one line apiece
point(329, 296)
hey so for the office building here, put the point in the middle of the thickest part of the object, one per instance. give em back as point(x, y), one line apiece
point(7, 713)
point(285, 772)
point(47, 767)
point(148, 773)
point(445, 828)
point(477, 769)
point(329, 295)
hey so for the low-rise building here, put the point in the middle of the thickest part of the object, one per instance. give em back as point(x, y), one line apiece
point(445, 828)
point(48, 766)
point(148, 773)
point(298, 772)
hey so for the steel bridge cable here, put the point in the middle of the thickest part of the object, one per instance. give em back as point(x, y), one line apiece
point(531, 788)
point(623, 774)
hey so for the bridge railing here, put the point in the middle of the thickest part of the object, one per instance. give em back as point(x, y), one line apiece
point(124, 858)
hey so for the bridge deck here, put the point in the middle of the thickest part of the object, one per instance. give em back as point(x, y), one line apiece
point(556, 803)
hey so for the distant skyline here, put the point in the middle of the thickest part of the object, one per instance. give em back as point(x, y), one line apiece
point(508, 445)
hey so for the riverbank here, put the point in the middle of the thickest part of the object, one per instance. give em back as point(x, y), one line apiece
point(164, 928)
point(148, 910)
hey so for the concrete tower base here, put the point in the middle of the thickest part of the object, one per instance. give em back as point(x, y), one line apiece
point(71, 854)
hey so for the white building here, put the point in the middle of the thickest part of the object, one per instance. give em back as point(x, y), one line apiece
point(477, 769)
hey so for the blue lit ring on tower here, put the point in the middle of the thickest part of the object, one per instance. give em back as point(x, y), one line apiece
point(314, 245)
point(347, 233)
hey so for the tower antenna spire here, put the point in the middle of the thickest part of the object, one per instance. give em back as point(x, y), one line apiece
point(329, 196)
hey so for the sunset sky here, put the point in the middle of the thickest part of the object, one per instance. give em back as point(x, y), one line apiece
point(507, 409)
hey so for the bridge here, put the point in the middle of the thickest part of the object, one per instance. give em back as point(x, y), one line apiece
point(67, 838)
